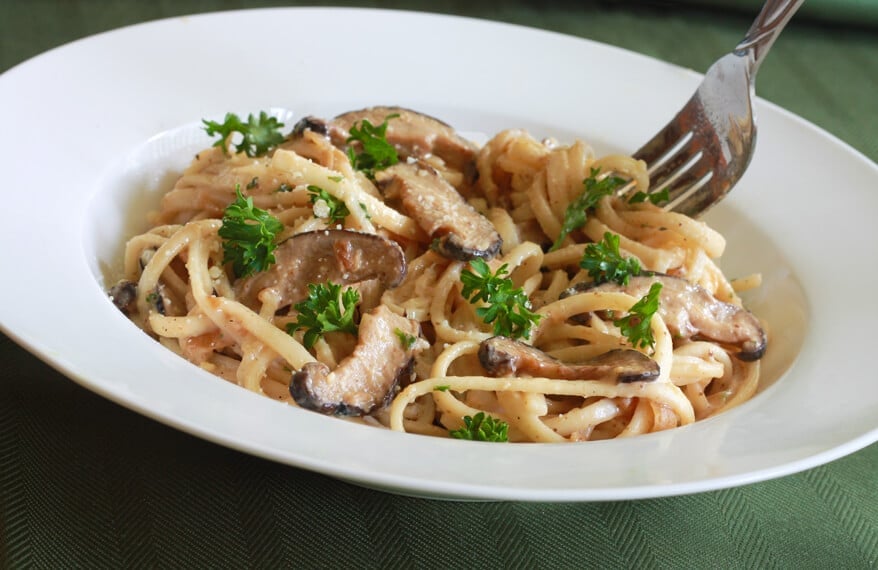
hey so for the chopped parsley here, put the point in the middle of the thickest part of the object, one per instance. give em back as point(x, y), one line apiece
point(405, 339)
point(156, 300)
point(604, 263)
point(327, 309)
point(655, 197)
point(508, 307)
point(636, 325)
point(376, 153)
point(336, 210)
point(577, 212)
point(258, 135)
point(482, 427)
point(248, 235)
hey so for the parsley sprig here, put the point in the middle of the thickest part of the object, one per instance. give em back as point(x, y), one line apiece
point(337, 210)
point(636, 324)
point(508, 307)
point(482, 427)
point(577, 212)
point(604, 262)
point(248, 235)
point(327, 309)
point(376, 152)
point(258, 134)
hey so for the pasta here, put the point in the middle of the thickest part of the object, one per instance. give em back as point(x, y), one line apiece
point(516, 191)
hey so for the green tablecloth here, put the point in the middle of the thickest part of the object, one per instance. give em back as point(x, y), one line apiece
point(86, 483)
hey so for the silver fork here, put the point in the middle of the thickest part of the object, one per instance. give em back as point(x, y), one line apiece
point(703, 152)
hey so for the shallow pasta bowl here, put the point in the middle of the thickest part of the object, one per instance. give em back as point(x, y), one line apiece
point(104, 124)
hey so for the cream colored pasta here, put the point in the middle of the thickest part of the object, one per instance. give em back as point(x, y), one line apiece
point(523, 188)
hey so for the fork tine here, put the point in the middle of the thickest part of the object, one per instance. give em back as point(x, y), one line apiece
point(671, 153)
point(686, 198)
point(693, 202)
point(667, 142)
point(669, 164)
point(656, 162)
point(675, 174)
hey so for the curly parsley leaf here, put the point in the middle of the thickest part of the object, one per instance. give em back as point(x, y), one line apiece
point(656, 198)
point(258, 134)
point(507, 307)
point(376, 153)
point(604, 262)
point(327, 309)
point(482, 427)
point(636, 325)
point(336, 210)
point(577, 212)
point(248, 235)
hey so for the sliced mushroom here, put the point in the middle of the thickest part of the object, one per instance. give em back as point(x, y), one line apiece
point(690, 310)
point(310, 138)
point(123, 294)
point(412, 133)
point(310, 123)
point(502, 356)
point(370, 377)
point(458, 230)
point(340, 256)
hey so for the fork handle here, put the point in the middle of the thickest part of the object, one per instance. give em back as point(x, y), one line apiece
point(771, 20)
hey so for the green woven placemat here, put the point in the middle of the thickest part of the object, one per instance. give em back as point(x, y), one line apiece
point(85, 483)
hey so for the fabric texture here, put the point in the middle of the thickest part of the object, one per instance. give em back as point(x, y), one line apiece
point(85, 483)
